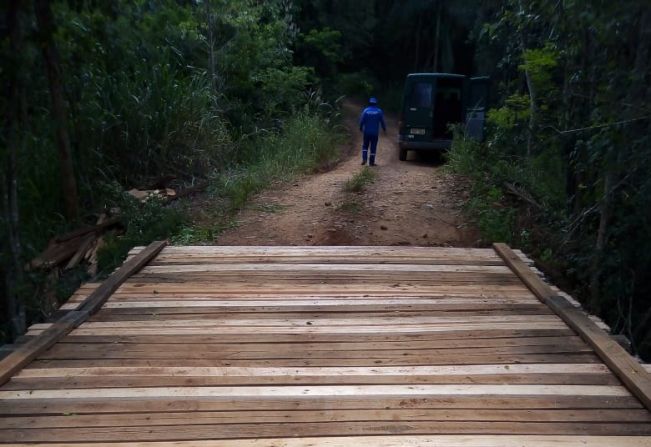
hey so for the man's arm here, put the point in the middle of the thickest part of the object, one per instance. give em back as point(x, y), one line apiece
point(384, 126)
point(361, 120)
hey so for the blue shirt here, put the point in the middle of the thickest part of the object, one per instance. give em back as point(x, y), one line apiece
point(371, 120)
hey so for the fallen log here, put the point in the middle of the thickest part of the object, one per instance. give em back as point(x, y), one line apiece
point(56, 253)
point(81, 251)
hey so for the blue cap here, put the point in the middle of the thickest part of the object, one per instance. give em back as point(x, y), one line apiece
point(372, 100)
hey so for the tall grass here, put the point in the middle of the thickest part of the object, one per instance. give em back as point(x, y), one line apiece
point(306, 142)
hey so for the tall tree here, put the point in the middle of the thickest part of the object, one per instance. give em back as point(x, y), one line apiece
point(13, 137)
point(46, 25)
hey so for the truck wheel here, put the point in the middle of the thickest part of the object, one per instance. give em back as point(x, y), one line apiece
point(402, 155)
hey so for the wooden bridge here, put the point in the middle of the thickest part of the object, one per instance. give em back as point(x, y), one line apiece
point(322, 347)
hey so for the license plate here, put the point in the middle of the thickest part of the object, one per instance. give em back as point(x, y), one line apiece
point(417, 131)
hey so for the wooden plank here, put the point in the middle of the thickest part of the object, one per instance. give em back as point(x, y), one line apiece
point(398, 288)
point(80, 352)
point(97, 298)
point(314, 321)
point(219, 432)
point(307, 268)
point(231, 417)
point(629, 371)
point(157, 404)
point(321, 338)
point(573, 342)
point(28, 351)
point(393, 441)
point(322, 391)
point(307, 329)
point(343, 250)
point(133, 376)
point(137, 381)
point(349, 259)
point(459, 358)
point(460, 370)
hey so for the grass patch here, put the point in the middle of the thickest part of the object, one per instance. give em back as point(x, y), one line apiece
point(195, 234)
point(351, 206)
point(306, 143)
point(359, 181)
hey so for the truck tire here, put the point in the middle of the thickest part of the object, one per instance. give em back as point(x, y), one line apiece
point(402, 155)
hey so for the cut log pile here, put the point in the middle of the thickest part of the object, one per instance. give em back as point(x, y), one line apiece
point(81, 246)
point(68, 250)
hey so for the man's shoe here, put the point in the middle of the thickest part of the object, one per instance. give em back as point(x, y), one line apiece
point(372, 164)
point(363, 163)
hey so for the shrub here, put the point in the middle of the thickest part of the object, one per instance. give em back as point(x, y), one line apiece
point(145, 222)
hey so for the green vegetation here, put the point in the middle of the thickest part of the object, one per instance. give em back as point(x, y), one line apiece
point(350, 205)
point(103, 97)
point(564, 171)
point(306, 143)
point(359, 181)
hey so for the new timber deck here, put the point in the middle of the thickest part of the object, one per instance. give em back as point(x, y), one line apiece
point(322, 347)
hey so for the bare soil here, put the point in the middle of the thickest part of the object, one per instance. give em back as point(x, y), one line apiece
point(409, 203)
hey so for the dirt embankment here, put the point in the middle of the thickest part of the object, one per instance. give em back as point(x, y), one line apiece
point(409, 203)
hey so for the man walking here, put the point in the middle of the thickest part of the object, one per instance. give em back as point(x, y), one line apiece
point(369, 123)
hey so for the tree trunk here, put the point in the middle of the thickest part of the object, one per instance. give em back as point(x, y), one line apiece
point(602, 232)
point(568, 142)
point(14, 272)
point(45, 20)
point(211, 48)
point(533, 107)
point(437, 39)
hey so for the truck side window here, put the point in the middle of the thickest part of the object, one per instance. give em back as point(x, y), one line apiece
point(421, 95)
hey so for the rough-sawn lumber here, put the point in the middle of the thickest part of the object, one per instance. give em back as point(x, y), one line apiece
point(629, 371)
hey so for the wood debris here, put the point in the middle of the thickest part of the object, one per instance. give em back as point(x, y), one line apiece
point(68, 250)
point(147, 194)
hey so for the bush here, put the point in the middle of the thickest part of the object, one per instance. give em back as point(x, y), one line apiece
point(468, 157)
point(144, 222)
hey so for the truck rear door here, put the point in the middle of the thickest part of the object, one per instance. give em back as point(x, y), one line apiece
point(418, 110)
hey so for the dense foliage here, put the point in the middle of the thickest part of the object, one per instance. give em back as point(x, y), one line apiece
point(569, 136)
point(104, 96)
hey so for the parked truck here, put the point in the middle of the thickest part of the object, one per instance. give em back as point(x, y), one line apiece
point(433, 101)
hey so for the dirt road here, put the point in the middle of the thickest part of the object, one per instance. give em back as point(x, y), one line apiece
point(409, 203)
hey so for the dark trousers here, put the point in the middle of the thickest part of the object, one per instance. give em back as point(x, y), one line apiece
point(372, 140)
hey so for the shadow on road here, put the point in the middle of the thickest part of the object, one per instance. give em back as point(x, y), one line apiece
point(434, 159)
